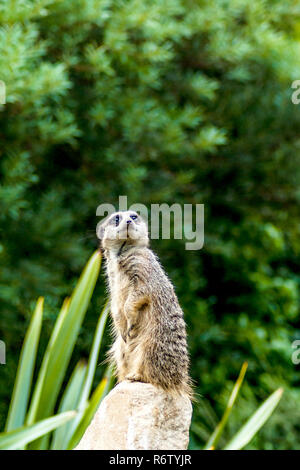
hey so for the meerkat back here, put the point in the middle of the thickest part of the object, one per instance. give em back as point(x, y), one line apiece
point(150, 343)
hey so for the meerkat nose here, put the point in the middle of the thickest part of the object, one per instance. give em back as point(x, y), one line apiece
point(128, 222)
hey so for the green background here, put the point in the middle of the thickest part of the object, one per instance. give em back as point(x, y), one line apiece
point(167, 101)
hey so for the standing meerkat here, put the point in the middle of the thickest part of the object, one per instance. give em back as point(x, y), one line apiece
point(150, 342)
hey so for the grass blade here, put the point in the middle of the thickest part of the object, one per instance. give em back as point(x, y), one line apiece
point(90, 373)
point(100, 392)
point(200, 431)
point(61, 346)
point(69, 401)
point(18, 438)
point(43, 370)
point(21, 391)
point(257, 420)
point(214, 438)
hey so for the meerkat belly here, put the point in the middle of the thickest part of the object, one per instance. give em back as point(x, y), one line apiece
point(119, 294)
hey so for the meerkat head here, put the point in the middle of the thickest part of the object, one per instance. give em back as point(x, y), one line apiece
point(123, 230)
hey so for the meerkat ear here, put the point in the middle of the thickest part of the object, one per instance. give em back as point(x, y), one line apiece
point(100, 233)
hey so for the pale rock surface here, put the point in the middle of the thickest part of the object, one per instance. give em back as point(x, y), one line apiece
point(139, 416)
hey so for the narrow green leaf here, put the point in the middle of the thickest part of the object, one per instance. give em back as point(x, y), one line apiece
point(91, 368)
point(257, 420)
point(90, 373)
point(100, 392)
point(208, 413)
point(43, 369)
point(214, 438)
point(60, 347)
point(18, 438)
point(69, 401)
point(21, 391)
point(200, 431)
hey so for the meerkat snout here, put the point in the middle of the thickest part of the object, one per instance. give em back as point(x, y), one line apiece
point(123, 229)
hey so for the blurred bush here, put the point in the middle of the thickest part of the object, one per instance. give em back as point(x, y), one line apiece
point(162, 101)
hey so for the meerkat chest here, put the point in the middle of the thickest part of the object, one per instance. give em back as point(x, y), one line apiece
point(118, 284)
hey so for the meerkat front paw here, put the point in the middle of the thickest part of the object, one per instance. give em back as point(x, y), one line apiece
point(130, 332)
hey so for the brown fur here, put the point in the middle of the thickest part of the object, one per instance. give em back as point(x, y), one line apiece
point(150, 343)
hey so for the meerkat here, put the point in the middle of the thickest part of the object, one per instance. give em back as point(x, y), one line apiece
point(150, 341)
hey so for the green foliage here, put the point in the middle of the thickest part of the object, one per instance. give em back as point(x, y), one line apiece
point(254, 423)
point(76, 410)
point(251, 427)
point(31, 424)
point(163, 101)
point(18, 438)
point(20, 397)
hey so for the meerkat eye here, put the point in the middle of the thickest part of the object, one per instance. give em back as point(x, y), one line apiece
point(117, 220)
point(133, 217)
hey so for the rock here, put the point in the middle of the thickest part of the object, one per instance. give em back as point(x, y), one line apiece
point(139, 416)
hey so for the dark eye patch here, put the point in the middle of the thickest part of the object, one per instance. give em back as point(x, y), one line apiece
point(116, 220)
point(133, 216)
